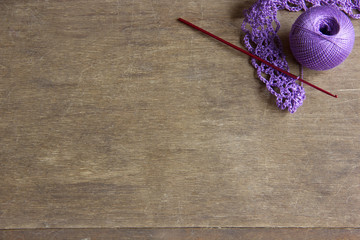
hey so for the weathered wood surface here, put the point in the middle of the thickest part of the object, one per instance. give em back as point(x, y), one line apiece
point(114, 114)
point(184, 233)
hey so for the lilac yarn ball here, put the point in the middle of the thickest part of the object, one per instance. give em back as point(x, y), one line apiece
point(322, 38)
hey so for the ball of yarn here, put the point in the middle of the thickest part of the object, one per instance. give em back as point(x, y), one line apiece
point(322, 38)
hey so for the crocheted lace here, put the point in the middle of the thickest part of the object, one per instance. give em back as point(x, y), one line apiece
point(262, 40)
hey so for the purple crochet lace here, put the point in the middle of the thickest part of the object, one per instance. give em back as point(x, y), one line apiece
point(262, 40)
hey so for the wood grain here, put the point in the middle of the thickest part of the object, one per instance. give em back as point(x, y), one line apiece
point(185, 233)
point(113, 114)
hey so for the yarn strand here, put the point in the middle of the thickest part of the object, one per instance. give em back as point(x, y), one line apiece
point(255, 57)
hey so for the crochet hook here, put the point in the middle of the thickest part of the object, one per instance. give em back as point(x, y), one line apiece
point(254, 56)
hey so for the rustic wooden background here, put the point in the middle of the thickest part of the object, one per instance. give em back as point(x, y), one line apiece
point(115, 115)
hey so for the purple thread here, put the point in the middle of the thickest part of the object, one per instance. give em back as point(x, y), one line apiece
point(322, 38)
point(262, 40)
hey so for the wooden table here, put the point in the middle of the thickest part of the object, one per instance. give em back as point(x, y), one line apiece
point(116, 120)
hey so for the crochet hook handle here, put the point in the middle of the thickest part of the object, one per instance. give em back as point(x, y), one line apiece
point(254, 56)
